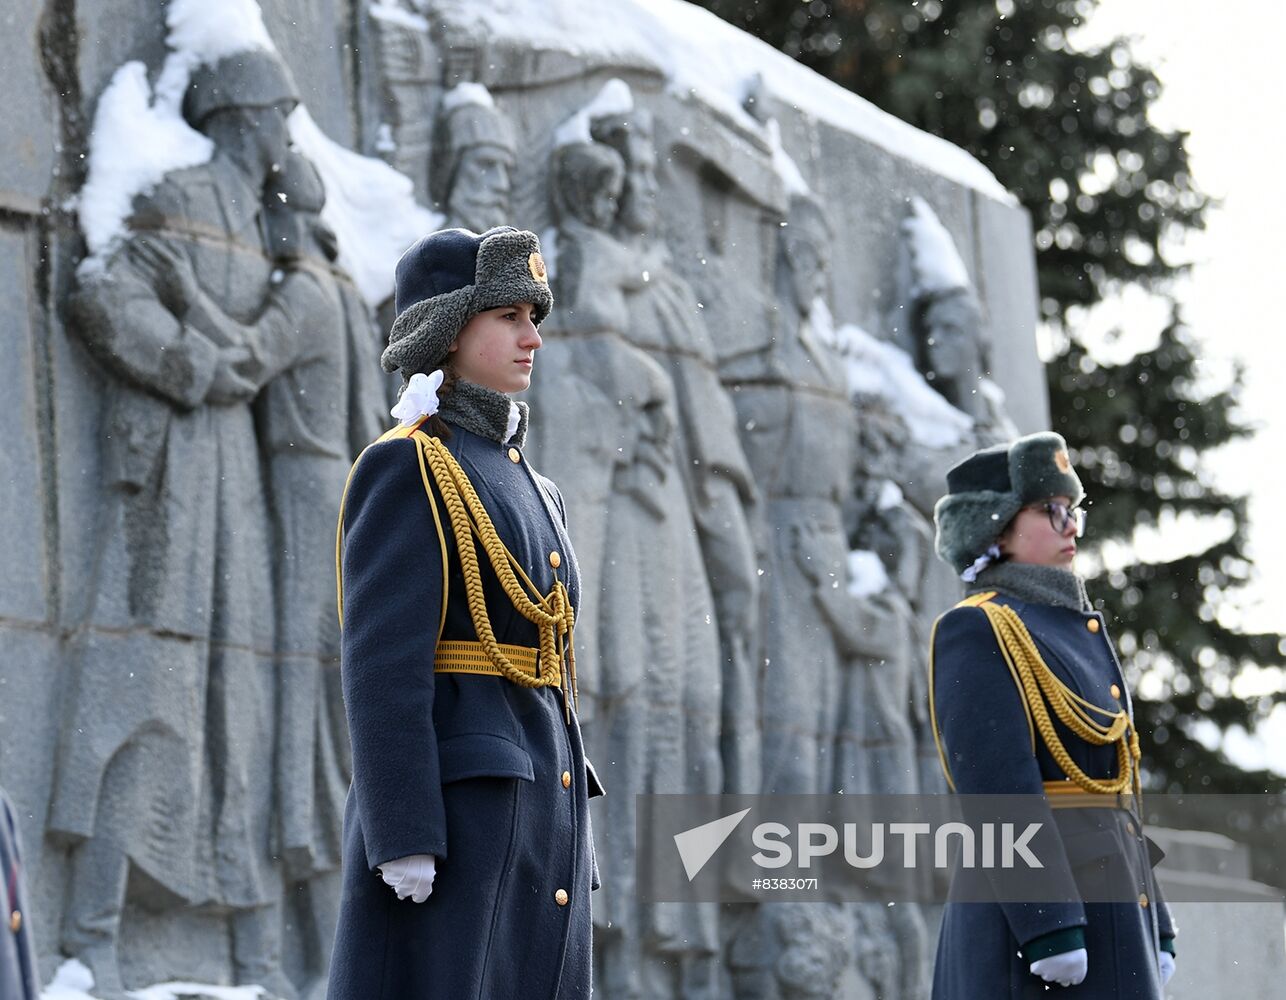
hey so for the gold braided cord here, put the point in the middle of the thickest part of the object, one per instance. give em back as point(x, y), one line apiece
point(442, 543)
point(1041, 688)
point(552, 614)
point(933, 710)
point(1013, 672)
point(339, 547)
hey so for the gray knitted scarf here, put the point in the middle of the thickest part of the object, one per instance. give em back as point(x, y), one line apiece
point(1034, 584)
point(483, 411)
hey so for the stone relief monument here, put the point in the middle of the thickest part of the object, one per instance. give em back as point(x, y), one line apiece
point(472, 160)
point(158, 768)
point(797, 951)
point(313, 417)
point(718, 487)
point(793, 408)
point(951, 348)
point(677, 687)
point(611, 409)
point(409, 79)
point(758, 573)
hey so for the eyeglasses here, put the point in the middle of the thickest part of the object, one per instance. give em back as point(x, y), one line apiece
point(1061, 515)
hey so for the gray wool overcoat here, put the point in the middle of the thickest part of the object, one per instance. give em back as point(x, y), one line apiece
point(488, 776)
point(985, 948)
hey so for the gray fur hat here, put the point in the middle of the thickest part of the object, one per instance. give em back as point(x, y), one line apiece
point(450, 276)
point(987, 490)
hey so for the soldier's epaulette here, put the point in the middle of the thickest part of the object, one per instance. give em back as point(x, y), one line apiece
point(973, 600)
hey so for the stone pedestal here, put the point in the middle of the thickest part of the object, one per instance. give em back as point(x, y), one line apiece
point(1232, 947)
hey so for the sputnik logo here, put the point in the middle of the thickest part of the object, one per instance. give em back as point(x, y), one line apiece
point(697, 846)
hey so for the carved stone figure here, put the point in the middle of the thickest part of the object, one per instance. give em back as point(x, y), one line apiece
point(612, 434)
point(792, 402)
point(950, 321)
point(313, 418)
point(886, 523)
point(409, 70)
point(165, 764)
point(665, 321)
point(893, 745)
point(625, 427)
point(881, 690)
point(791, 951)
point(891, 948)
point(698, 625)
point(471, 169)
point(875, 619)
point(952, 350)
point(313, 346)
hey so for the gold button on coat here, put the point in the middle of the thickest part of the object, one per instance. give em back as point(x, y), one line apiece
point(567, 779)
point(1092, 625)
point(515, 455)
point(1129, 828)
point(1143, 900)
point(1116, 691)
point(555, 560)
point(15, 921)
point(560, 897)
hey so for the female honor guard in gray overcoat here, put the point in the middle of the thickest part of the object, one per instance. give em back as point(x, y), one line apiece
point(1027, 697)
point(468, 861)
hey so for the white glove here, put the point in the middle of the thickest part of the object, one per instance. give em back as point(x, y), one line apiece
point(1167, 966)
point(411, 876)
point(1067, 969)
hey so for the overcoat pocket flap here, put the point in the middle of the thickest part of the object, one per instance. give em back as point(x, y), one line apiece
point(1085, 846)
point(481, 755)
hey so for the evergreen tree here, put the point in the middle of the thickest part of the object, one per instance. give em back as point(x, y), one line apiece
point(1067, 131)
point(1142, 426)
